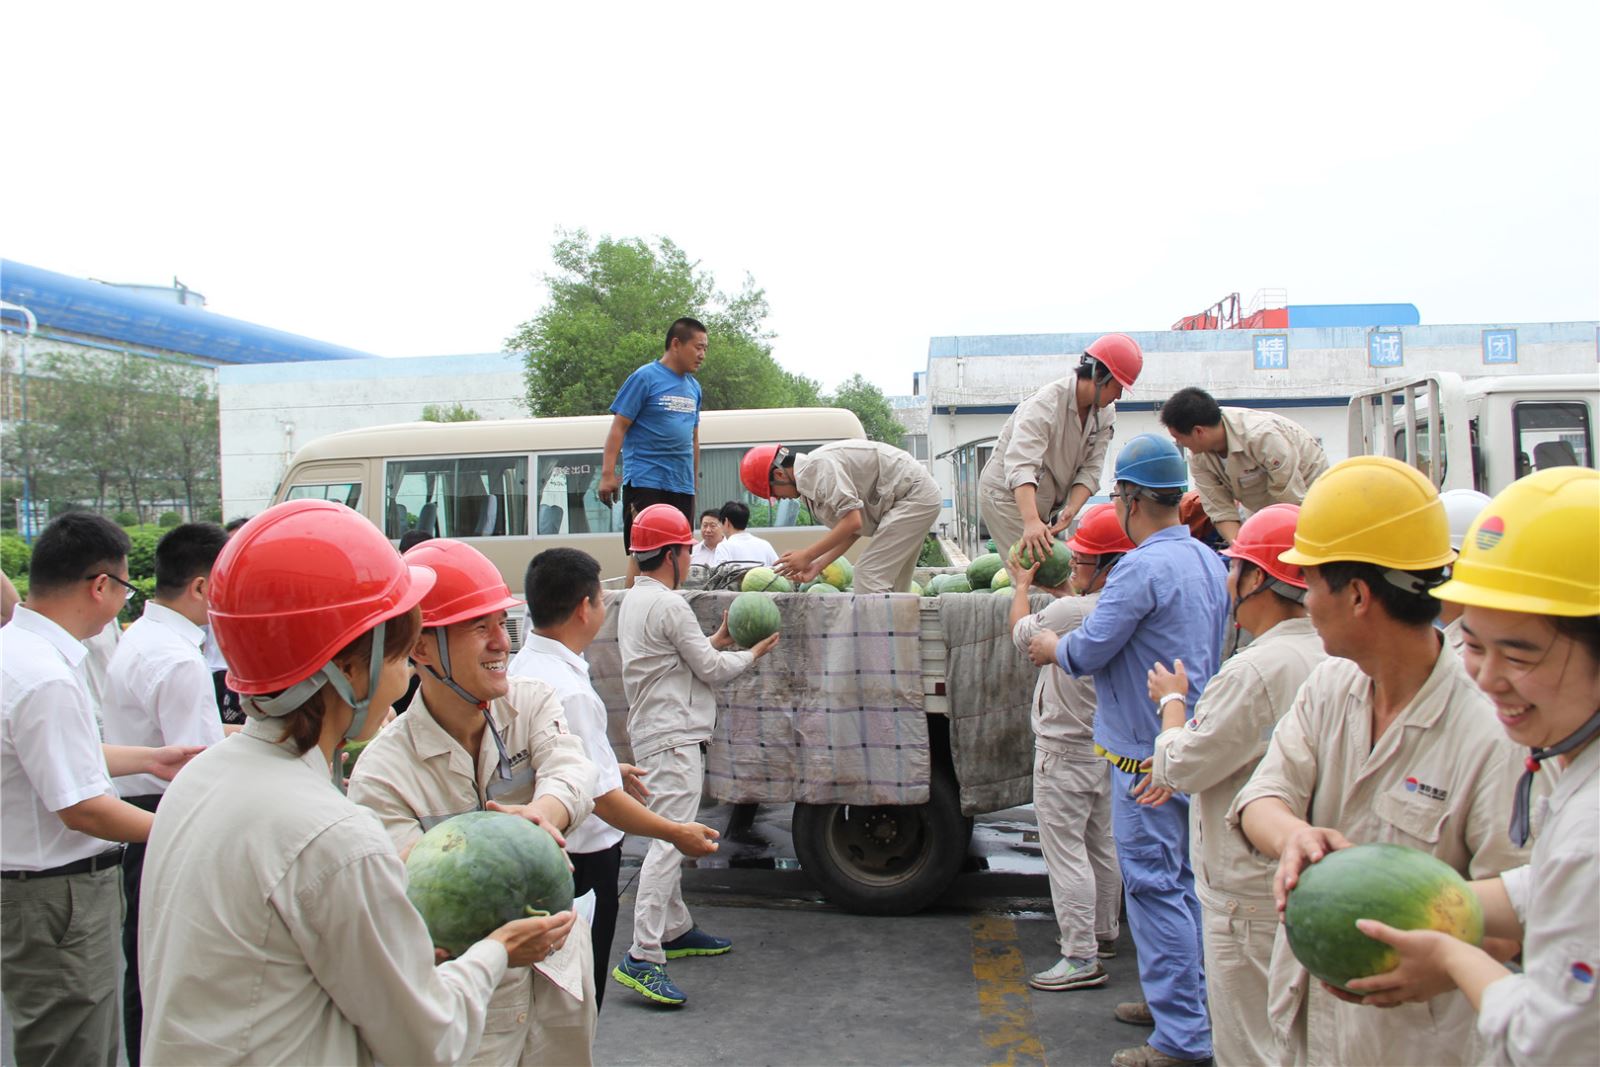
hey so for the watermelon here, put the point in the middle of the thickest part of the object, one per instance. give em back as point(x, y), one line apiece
point(1054, 571)
point(839, 574)
point(765, 580)
point(1001, 579)
point(1403, 887)
point(752, 618)
point(1003, 589)
point(981, 571)
point(473, 873)
point(353, 752)
point(916, 588)
point(823, 588)
point(955, 583)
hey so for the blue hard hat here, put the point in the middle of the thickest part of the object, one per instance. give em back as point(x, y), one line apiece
point(1153, 461)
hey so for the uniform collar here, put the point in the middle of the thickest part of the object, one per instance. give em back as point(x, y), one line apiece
point(1425, 710)
point(645, 579)
point(172, 620)
point(1299, 627)
point(1177, 532)
point(546, 646)
point(1233, 429)
point(71, 649)
point(432, 739)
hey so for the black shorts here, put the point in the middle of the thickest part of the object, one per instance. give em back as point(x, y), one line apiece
point(636, 498)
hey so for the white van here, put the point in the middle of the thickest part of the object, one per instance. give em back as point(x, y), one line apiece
point(514, 487)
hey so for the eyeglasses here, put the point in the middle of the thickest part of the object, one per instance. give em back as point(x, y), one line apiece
point(1086, 561)
point(128, 589)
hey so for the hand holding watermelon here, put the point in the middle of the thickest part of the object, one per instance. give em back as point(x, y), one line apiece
point(529, 941)
point(1304, 847)
point(1431, 962)
point(797, 566)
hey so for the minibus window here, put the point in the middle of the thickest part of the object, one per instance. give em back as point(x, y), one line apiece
point(566, 496)
point(466, 496)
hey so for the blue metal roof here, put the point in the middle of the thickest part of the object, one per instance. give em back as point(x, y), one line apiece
point(1314, 315)
point(70, 305)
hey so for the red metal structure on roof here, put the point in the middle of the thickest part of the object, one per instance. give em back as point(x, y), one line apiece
point(1269, 309)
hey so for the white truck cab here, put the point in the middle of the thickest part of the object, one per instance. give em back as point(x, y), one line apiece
point(1481, 433)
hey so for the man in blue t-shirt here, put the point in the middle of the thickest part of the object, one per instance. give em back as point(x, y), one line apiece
point(656, 429)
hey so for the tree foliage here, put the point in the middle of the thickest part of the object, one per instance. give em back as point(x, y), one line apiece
point(114, 432)
point(871, 407)
point(457, 412)
point(610, 303)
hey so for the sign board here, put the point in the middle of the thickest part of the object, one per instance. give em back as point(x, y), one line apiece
point(1272, 351)
point(1499, 346)
point(1385, 350)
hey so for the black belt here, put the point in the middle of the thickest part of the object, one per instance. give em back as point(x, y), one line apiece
point(111, 858)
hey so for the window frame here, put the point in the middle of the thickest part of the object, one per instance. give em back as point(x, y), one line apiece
point(456, 458)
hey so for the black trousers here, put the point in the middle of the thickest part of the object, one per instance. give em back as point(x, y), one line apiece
point(132, 1006)
point(599, 871)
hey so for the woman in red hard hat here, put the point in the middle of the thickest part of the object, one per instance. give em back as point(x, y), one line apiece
point(857, 489)
point(1071, 783)
point(474, 738)
point(1214, 757)
point(1051, 451)
point(274, 926)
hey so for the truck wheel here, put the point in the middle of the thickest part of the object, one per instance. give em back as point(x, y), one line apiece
point(889, 860)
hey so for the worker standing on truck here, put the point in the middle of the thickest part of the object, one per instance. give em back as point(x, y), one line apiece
point(1071, 783)
point(1461, 506)
point(1212, 755)
point(562, 588)
point(1166, 600)
point(857, 489)
point(1240, 456)
point(475, 738)
point(668, 670)
point(1388, 740)
point(655, 430)
point(1529, 579)
point(1051, 452)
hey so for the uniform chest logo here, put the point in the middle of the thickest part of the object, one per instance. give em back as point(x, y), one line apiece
point(1432, 792)
point(1583, 972)
point(520, 757)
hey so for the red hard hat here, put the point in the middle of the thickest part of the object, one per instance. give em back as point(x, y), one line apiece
point(299, 582)
point(1121, 355)
point(1099, 533)
point(1263, 536)
point(468, 586)
point(658, 526)
point(755, 470)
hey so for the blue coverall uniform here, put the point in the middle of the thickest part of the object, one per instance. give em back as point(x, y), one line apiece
point(1167, 599)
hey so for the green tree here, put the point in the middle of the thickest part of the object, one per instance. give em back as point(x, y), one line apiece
point(610, 303)
point(871, 407)
point(457, 412)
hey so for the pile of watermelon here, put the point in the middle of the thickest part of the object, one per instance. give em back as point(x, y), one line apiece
point(752, 618)
point(473, 873)
point(1401, 887)
point(765, 580)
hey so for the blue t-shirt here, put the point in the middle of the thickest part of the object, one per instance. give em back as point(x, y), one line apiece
point(658, 449)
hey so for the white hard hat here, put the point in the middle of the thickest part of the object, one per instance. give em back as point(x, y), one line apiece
point(1462, 506)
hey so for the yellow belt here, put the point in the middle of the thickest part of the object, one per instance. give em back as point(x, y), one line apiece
point(1126, 764)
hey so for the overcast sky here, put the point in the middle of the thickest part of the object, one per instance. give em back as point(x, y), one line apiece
point(390, 176)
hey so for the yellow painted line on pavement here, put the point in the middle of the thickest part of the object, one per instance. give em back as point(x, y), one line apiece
point(1005, 1006)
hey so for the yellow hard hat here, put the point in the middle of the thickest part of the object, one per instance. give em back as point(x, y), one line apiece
point(1535, 548)
point(1372, 509)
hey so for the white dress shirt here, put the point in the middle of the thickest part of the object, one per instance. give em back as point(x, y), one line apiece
point(567, 673)
point(158, 691)
point(704, 555)
point(50, 754)
point(212, 652)
point(746, 547)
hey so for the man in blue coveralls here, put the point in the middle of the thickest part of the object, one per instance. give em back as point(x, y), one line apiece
point(655, 427)
point(1167, 599)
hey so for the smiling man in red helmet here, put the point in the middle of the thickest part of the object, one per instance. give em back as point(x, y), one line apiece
point(1051, 452)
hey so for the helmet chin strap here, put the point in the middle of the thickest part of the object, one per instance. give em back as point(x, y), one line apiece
point(1520, 810)
point(442, 640)
point(330, 674)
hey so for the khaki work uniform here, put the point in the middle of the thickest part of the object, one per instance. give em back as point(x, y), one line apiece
point(898, 499)
point(414, 775)
point(1270, 460)
point(1046, 445)
point(1211, 758)
point(274, 925)
point(1072, 792)
point(1439, 779)
point(668, 670)
point(1547, 1013)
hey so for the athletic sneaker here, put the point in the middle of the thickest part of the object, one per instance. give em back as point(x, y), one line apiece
point(1106, 950)
point(695, 943)
point(648, 979)
point(1068, 975)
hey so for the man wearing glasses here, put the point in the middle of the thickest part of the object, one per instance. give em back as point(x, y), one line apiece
point(60, 891)
point(1167, 599)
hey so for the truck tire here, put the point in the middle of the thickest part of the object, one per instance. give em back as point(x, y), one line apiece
point(888, 860)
